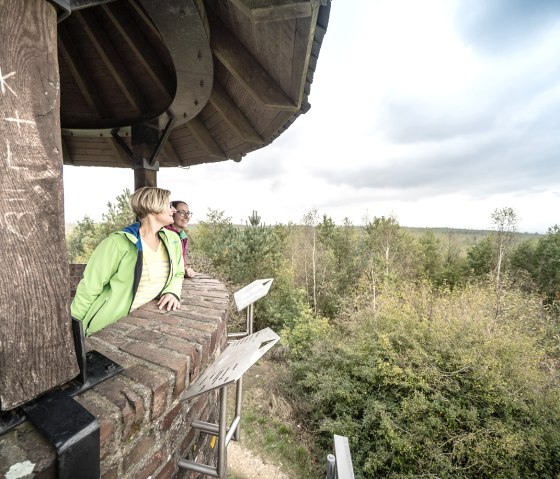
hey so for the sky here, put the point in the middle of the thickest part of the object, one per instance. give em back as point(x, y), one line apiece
point(436, 112)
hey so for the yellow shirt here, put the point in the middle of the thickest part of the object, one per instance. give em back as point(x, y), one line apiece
point(155, 270)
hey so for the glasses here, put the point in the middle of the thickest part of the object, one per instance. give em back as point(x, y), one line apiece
point(184, 214)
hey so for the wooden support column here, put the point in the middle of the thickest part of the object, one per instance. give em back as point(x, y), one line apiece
point(144, 139)
point(36, 345)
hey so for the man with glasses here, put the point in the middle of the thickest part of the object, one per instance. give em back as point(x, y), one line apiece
point(181, 219)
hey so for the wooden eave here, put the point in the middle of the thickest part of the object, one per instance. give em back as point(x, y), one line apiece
point(243, 81)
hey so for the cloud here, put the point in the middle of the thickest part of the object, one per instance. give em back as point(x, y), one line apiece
point(502, 27)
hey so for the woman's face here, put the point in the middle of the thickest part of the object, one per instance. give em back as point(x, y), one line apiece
point(182, 216)
point(166, 216)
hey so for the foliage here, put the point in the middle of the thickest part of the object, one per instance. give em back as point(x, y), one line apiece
point(87, 234)
point(82, 241)
point(541, 260)
point(437, 386)
point(480, 258)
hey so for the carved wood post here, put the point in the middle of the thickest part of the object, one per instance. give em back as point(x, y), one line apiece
point(36, 346)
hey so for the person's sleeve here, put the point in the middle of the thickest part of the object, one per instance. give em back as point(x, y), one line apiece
point(101, 266)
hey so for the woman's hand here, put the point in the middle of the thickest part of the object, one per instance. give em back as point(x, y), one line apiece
point(190, 273)
point(169, 302)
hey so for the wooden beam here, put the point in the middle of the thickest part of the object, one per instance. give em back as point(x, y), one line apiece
point(171, 154)
point(304, 53)
point(233, 116)
point(273, 12)
point(37, 350)
point(141, 49)
point(246, 69)
point(146, 19)
point(110, 58)
point(201, 133)
point(66, 155)
point(79, 72)
point(118, 153)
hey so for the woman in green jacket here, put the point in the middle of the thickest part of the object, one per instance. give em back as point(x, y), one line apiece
point(133, 266)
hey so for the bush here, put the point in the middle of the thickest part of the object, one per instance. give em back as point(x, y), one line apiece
point(438, 386)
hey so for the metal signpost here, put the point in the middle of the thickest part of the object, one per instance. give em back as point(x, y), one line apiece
point(236, 359)
point(339, 465)
point(245, 298)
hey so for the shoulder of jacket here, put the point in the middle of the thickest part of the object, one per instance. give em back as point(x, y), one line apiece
point(170, 237)
point(122, 239)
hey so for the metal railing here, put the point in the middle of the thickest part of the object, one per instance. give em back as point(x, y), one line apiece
point(339, 464)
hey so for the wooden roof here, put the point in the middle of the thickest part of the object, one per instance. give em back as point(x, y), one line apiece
point(216, 78)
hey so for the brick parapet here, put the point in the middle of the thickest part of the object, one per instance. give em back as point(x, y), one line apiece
point(144, 429)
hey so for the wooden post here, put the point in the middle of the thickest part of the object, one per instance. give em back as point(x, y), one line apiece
point(144, 139)
point(36, 345)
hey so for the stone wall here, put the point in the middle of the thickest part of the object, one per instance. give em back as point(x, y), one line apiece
point(144, 429)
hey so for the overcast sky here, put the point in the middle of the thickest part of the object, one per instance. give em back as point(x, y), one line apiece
point(437, 112)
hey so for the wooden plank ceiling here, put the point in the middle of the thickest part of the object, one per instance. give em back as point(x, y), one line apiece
point(231, 74)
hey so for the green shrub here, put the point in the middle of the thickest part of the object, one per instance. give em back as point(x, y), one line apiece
point(444, 386)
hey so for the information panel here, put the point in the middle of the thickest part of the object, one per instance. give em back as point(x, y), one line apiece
point(250, 293)
point(237, 358)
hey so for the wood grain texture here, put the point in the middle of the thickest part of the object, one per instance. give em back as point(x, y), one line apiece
point(36, 346)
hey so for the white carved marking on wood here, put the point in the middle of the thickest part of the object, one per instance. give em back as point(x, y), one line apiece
point(13, 222)
point(19, 121)
point(33, 174)
point(14, 194)
point(4, 85)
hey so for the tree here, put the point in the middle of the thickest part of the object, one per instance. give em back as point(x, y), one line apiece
point(118, 216)
point(505, 222)
point(547, 255)
point(480, 257)
point(81, 241)
point(431, 264)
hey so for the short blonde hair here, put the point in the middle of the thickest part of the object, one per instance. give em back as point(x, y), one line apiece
point(149, 200)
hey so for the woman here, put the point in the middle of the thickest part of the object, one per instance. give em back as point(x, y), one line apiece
point(133, 266)
point(181, 219)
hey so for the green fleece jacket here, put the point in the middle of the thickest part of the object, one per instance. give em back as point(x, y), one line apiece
point(112, 275)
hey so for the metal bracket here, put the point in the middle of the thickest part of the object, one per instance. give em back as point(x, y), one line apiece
point(94, 368)
point(71, 429)
point(236, 359)
point(67, 6)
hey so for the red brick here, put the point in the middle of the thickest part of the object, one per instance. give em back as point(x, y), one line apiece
point(195, 322)
point(158, 382)
point(111, 474)
point(153, 464)
point(124, 360)
point(169, 470)
point(178, 363)
point(129, 403)
point(193, 350)
point(147, 335)
point(188, 443)
point(105, 419)
point(185, 332)
point(138, 452)
point(165, 423)
point(133, 319)
point(111, 336)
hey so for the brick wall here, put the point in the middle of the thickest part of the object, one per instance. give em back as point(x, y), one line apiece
point(144, 429)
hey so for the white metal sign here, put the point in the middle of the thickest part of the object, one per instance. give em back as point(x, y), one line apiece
point(233, 362)
point(250, 293)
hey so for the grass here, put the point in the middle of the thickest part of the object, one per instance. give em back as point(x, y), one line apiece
point(268, 427)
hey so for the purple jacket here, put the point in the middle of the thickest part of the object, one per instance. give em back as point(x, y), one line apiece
point(184, 241)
